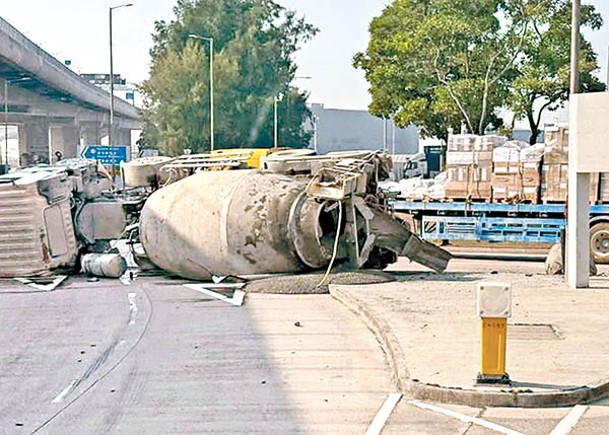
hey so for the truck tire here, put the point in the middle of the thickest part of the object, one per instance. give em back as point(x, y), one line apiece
point(599, 242)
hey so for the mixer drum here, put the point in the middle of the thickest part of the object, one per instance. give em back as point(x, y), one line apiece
point(236, 223)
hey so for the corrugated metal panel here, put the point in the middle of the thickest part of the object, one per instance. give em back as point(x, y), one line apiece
point(24, 241)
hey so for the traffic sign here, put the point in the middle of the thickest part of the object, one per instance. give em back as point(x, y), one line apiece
point(107, 155)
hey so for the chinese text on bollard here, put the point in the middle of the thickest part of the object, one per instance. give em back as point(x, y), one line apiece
point(494, 308)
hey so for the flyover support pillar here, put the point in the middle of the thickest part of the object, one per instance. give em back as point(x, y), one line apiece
point(34, 142)
point(90, 135)
point(65, 139)
point(123, 137)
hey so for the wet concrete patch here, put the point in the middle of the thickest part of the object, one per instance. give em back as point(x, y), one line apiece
point(308, 283)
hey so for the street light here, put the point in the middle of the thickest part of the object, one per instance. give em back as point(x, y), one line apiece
point(110, 9)
point(275, 121)
point(315, 132)
point(211, 84)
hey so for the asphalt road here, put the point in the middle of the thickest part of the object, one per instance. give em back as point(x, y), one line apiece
point(156, 357)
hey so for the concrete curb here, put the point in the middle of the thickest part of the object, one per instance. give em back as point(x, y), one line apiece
point(458, 396)
point(384, 334)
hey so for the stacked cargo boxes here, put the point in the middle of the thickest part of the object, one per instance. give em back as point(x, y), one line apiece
point(530, 164)
point(507, 180)
point(555, 171)
point(516, 176)
point(555, 165)
point(469, 163)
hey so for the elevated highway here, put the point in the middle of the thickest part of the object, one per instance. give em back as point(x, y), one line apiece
point(53, 108)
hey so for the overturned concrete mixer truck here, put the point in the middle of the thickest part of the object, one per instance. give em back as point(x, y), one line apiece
point(298, 212)
point(295, 212)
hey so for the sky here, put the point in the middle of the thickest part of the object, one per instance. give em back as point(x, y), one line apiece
point(78, 30)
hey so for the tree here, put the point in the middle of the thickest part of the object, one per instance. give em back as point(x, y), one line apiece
point(440, 63)
point(447, 63)
point(254, 43)
point(543, 78)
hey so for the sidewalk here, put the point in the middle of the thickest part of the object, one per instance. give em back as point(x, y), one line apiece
point(557, 351)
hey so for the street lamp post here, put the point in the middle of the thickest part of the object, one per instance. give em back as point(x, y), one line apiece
point(392, 137)
point(315, 131)
point(111, 124)
point(275, 122)
point(211, 85)
point(385, 134)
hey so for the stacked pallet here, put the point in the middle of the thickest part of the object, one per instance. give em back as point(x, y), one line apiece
point(469, 163)
point(506, 180)
point(516, 175)
point(555, 165)
point(530, 163)
point(555, 171)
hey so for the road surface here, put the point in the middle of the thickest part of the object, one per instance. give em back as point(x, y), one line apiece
point(156, 357)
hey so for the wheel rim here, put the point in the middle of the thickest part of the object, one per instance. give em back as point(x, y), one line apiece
point(600, 242)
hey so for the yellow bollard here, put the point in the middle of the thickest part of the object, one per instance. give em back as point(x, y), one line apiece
point(494, 308)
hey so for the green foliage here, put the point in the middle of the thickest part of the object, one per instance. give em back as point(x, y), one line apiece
point(544, 69)
point(254, 42)
point(438, 63)
point(446, 63)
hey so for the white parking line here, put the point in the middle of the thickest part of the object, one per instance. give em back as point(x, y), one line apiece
point(132, 308)
point(382, 416)
point(64, 392)
point(465, 418)
point(236, 300)
point(567, 424)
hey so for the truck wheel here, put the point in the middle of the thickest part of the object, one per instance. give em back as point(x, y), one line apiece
point(599, 242)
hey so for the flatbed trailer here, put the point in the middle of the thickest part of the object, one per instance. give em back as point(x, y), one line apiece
point(487, 222)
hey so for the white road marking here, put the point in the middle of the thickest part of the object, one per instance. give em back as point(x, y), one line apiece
point(132, 308)
point(44, 287)
point(567, 424)
point(236, 300)
point(64, 392)
point(379, 421)
point(238, 297)
point(228, 285)
point(465, 418)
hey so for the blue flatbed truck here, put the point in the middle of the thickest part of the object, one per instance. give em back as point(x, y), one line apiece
point(527, 223)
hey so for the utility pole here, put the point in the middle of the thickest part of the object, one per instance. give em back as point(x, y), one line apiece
point(575, 24)
point(315, 132)
point(211, 92)
point(392, 138)
point(384, 134)
point(275, 122)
